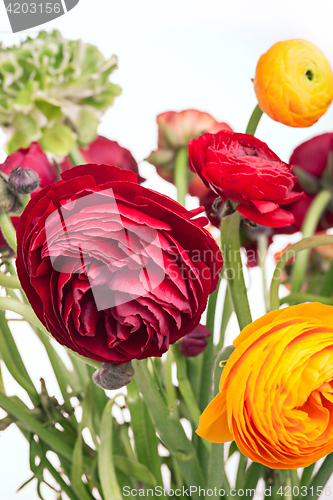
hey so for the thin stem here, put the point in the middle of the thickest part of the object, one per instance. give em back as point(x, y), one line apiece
point(206, 376)
point(185, 386)
point(169, 428)
point(181, 174)
point(25, 200)
point(327, 285)
point(9, 281)
point(64, 486)
point(8, 230)
point(262, 251)
point(226, 315)
point(254, 121)
point(298, 298)
point(230, 247)
point(76, 157)
point(310, 224)
point(305, 244)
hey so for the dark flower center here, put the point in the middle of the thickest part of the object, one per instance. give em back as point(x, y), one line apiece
point(309, 74)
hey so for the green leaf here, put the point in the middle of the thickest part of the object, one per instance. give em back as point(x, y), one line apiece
point(50, 110)
point(106, 466)
point(13, 361)
point(132, 468)
point(145, 439)
point(76, 473)
point(27, 132)
point(58, 140)
point(24, 98)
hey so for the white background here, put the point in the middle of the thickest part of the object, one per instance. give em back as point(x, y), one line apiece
point(173, 55)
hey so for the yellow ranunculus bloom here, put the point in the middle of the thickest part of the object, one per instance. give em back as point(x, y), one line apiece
point(276, 390)
point(294, 83)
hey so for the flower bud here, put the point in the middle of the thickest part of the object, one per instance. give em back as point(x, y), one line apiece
point(110, 377)
point(194, 343)
point(7, 197)
point(23, 180)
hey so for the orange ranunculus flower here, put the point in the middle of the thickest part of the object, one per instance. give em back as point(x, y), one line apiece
point(294, 83)
point(276, 390)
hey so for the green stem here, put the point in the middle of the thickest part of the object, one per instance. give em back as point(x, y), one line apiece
point(170, 389)
point(319, 480)
point(53, 438)
point(28, 314)
point(262, 251)
point(305, 244)
point(64, 486)
point(169, 428)
point(185, 386)
point(298, 298)
point(254, 120)
point(8, 230)
point(327, 285)
point(216, 473)
point(226, 315)
point(230, 247)
point(181, 174)
point(25, 200)
point(76, 157)
point(310, 224)
point(206, 375)
point(9, 281)
point(13, 361)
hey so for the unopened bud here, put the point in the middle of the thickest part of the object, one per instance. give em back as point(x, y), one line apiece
point(7, 197)
point(110, 377)
point(194, 343)
point(23, 180)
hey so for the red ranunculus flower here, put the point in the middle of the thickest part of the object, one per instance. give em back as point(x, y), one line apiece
point(105, 152)
point(115, 271)
point(244, 170)
point(35, 159)
point(312, 163)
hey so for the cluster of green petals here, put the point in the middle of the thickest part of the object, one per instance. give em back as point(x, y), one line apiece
point(53, 91)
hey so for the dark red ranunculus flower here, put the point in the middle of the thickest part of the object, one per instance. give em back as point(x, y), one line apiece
point(35, 159)
point(311, 162)
point(103, 151)
point(244, 170)
point(114, 271)
point(194, 343)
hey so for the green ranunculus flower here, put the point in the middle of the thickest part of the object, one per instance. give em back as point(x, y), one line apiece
point(53, 91)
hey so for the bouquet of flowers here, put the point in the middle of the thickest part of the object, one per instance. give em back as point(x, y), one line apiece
point(120, 275)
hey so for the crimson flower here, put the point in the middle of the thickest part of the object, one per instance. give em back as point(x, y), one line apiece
point(244, 170)
point(312, 162)
point(35, 159)
point(103, 151)
point(114, 271)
